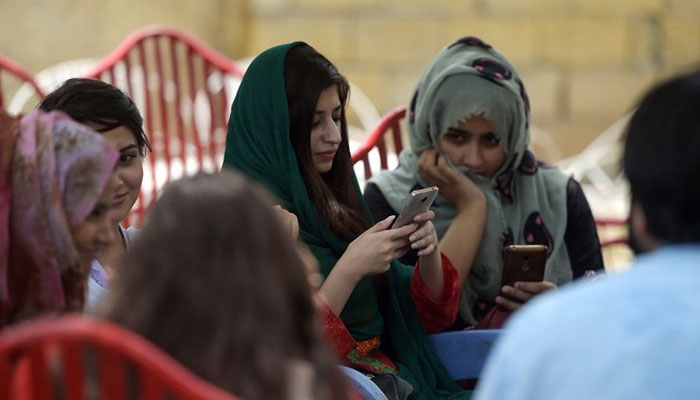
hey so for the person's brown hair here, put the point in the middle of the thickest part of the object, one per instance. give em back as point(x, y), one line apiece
point(215, 281)
point(91, 100)
point(307, 73)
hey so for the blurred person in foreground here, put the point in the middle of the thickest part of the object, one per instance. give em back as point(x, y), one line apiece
point(634, 335)
point(215, 280)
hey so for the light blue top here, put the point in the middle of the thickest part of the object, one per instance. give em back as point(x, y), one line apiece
point(632, 335)
point(98, 284)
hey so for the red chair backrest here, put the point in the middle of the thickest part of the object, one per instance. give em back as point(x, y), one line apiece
point(376, 140)
point(614, 243)
point(617, 234)
point(17, 73)
point(53, 351)
point(184, 89)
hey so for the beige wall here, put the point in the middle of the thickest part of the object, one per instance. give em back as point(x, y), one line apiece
point(584, 62)
point(41, 33)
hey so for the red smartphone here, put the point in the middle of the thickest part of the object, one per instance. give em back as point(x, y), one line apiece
point(523, 263)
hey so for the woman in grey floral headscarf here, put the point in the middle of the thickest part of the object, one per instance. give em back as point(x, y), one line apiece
point(469, 122)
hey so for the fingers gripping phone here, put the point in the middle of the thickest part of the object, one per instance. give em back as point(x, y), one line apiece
point(523, 263)
point(418, 201)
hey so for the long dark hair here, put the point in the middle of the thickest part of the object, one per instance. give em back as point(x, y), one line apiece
point(307, 73)
point(215, 281)
point(91, 100)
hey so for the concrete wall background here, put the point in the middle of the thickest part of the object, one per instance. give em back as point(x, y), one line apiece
point(584, 62)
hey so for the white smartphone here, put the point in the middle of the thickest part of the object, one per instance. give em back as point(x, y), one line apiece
point(418, 201)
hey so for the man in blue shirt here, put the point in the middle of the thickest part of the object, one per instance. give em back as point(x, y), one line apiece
point(636, 334)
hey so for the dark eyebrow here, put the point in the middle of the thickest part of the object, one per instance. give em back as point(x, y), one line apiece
point(129, 147)
point(337, 108)
point(465, 132)
point(457, 130)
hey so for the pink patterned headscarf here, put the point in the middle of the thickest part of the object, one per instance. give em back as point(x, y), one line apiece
point(52, 171)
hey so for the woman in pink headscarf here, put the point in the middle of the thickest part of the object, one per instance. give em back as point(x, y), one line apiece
point(54, 216)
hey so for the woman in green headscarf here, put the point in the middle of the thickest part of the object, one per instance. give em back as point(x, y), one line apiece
point(469, 122)
point(288, 131)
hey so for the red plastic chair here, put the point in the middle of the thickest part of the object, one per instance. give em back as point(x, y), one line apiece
point(17, 74)
point(53, 353)
point(184, 90)
point(375, 140)
point(619, 237)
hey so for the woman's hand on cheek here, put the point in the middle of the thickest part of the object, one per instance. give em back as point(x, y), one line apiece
point(455, 187)
point(518, 295)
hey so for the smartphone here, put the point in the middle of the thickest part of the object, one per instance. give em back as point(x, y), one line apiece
point(418, 201)
point(523, 263)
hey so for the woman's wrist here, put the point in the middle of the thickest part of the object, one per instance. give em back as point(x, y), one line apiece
point(338, 286)
point(472, 203)
point(347, 271)
point(432, 275)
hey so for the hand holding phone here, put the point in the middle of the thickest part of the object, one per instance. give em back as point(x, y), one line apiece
point(523, 263)
point(418, 201)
